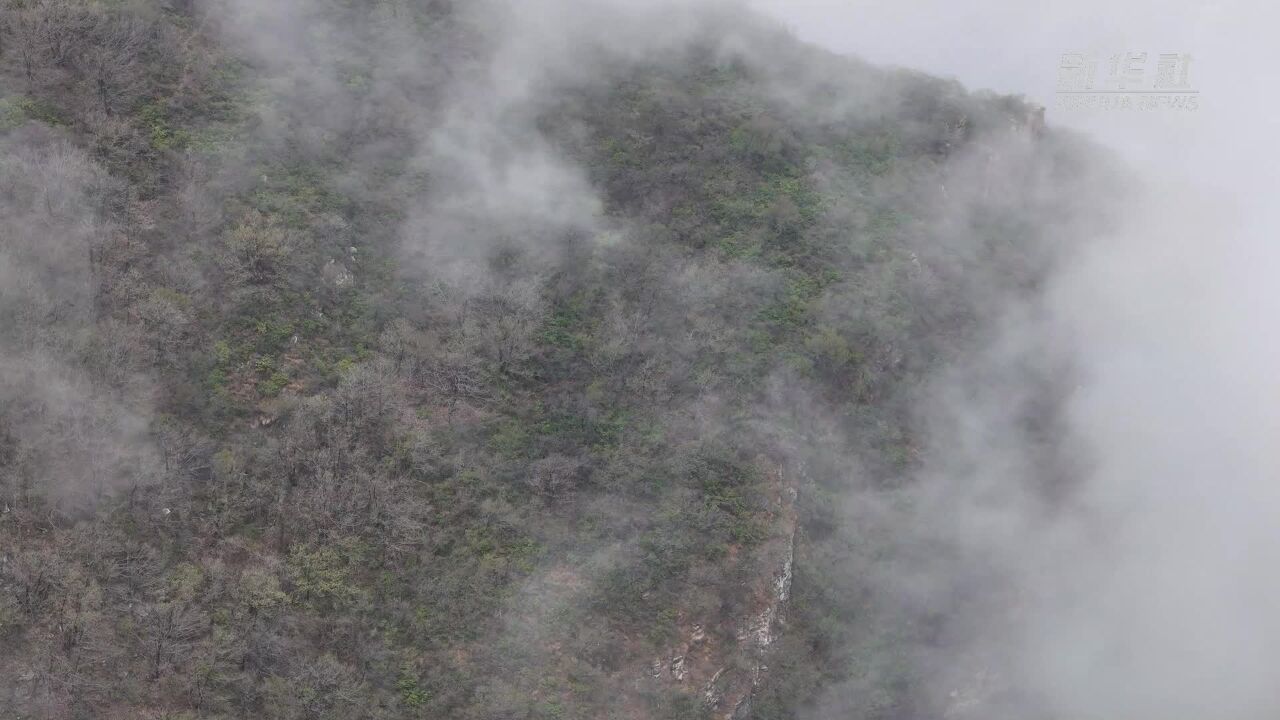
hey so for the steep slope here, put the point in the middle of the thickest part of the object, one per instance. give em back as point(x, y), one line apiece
point(435, 359)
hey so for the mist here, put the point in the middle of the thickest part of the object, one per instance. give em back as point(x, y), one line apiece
point(572, 358)
point(1148, 595)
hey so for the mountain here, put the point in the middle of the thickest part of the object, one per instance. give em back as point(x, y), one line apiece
point(428, 359)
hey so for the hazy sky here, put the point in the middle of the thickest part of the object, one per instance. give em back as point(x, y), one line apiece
point(1016, 47)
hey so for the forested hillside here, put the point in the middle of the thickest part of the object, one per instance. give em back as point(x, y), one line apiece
point(555, 360)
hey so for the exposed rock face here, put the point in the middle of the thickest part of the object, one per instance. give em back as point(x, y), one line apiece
point(678, 670)
point(337, 274)
point(724, 686)
point(761, 629)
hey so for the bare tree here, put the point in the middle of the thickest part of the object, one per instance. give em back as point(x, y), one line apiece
point(167, 631)
point(111, 59)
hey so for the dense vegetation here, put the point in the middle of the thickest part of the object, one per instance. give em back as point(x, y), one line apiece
point(307, 413)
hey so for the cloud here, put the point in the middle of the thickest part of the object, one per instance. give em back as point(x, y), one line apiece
point(1146, 590)
point(69, 434)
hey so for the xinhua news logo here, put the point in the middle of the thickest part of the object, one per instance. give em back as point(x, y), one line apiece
point(1136, 81)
